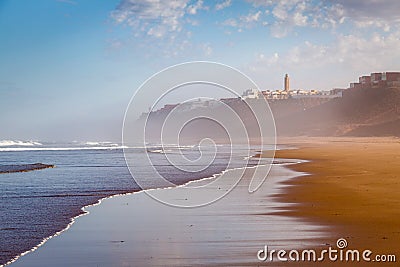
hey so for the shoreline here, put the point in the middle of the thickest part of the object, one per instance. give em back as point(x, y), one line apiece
point(351, 186)
point(135, 199)
point(308, 199)
point(85, 209)
point(72, 221)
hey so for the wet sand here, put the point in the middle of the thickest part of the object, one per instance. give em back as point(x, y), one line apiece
point(136, 230)
point(351, 191)
point(353, 186)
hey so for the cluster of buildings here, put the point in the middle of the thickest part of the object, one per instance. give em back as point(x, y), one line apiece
point(287, 93)
point(374, 80)
point(378, 80)
point(283, 94)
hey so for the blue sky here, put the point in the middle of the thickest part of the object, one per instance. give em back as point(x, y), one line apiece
point(68, 68)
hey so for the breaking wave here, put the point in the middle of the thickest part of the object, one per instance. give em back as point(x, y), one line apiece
point(4, 143)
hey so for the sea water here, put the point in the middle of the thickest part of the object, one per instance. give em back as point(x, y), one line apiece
point(37, 204)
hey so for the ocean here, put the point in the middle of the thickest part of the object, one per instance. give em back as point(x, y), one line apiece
point(37, 204)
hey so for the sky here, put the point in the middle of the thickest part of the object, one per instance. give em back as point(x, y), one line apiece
point(68, 68)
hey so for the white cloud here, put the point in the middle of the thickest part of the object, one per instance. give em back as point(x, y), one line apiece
point(280, 12)
point(370, 13)
point(192, 22)
point(270, 61)
point(230, 22)
point(285, 14)
point(193, 9)
point(279, 30)
point(367, 23)
point(223, 5)
point(258, 3)
point(376, 51)
point(159, 18)
point(246, 21)
point(158, 32)
point(326, 66)
point(374, 9)
point(251, 17)
point(289, 14)
point(299, 19)
point(357, 54)
point(207, 49)
point(167, 19)
point(155, 17)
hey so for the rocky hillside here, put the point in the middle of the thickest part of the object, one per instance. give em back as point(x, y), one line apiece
point(366, 112)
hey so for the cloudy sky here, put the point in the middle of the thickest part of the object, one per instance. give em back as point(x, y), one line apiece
point(68, 68)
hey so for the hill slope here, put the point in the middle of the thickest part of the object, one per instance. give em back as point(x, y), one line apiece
point(366, 112)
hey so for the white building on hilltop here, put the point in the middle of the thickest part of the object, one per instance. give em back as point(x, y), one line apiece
point(252, 94)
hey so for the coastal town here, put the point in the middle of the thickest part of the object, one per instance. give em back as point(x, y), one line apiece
point(376, 80)
point(287, 92)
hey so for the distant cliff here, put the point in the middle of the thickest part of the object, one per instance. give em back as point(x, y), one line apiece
point(361, 112)
point(282, 108)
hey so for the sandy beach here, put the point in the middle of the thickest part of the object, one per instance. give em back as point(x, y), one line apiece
point(348, 188)
point(353, 187)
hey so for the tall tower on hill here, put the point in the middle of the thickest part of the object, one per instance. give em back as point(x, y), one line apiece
point(287, 83)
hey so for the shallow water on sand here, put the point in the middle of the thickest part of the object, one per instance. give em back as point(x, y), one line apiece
point(136, 230)
point(37, 204)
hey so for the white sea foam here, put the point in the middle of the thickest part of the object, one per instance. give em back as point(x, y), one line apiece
point(164, 151)
point(4, 143)
point(9, 149)
point(15, 145)
point(106, 143)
